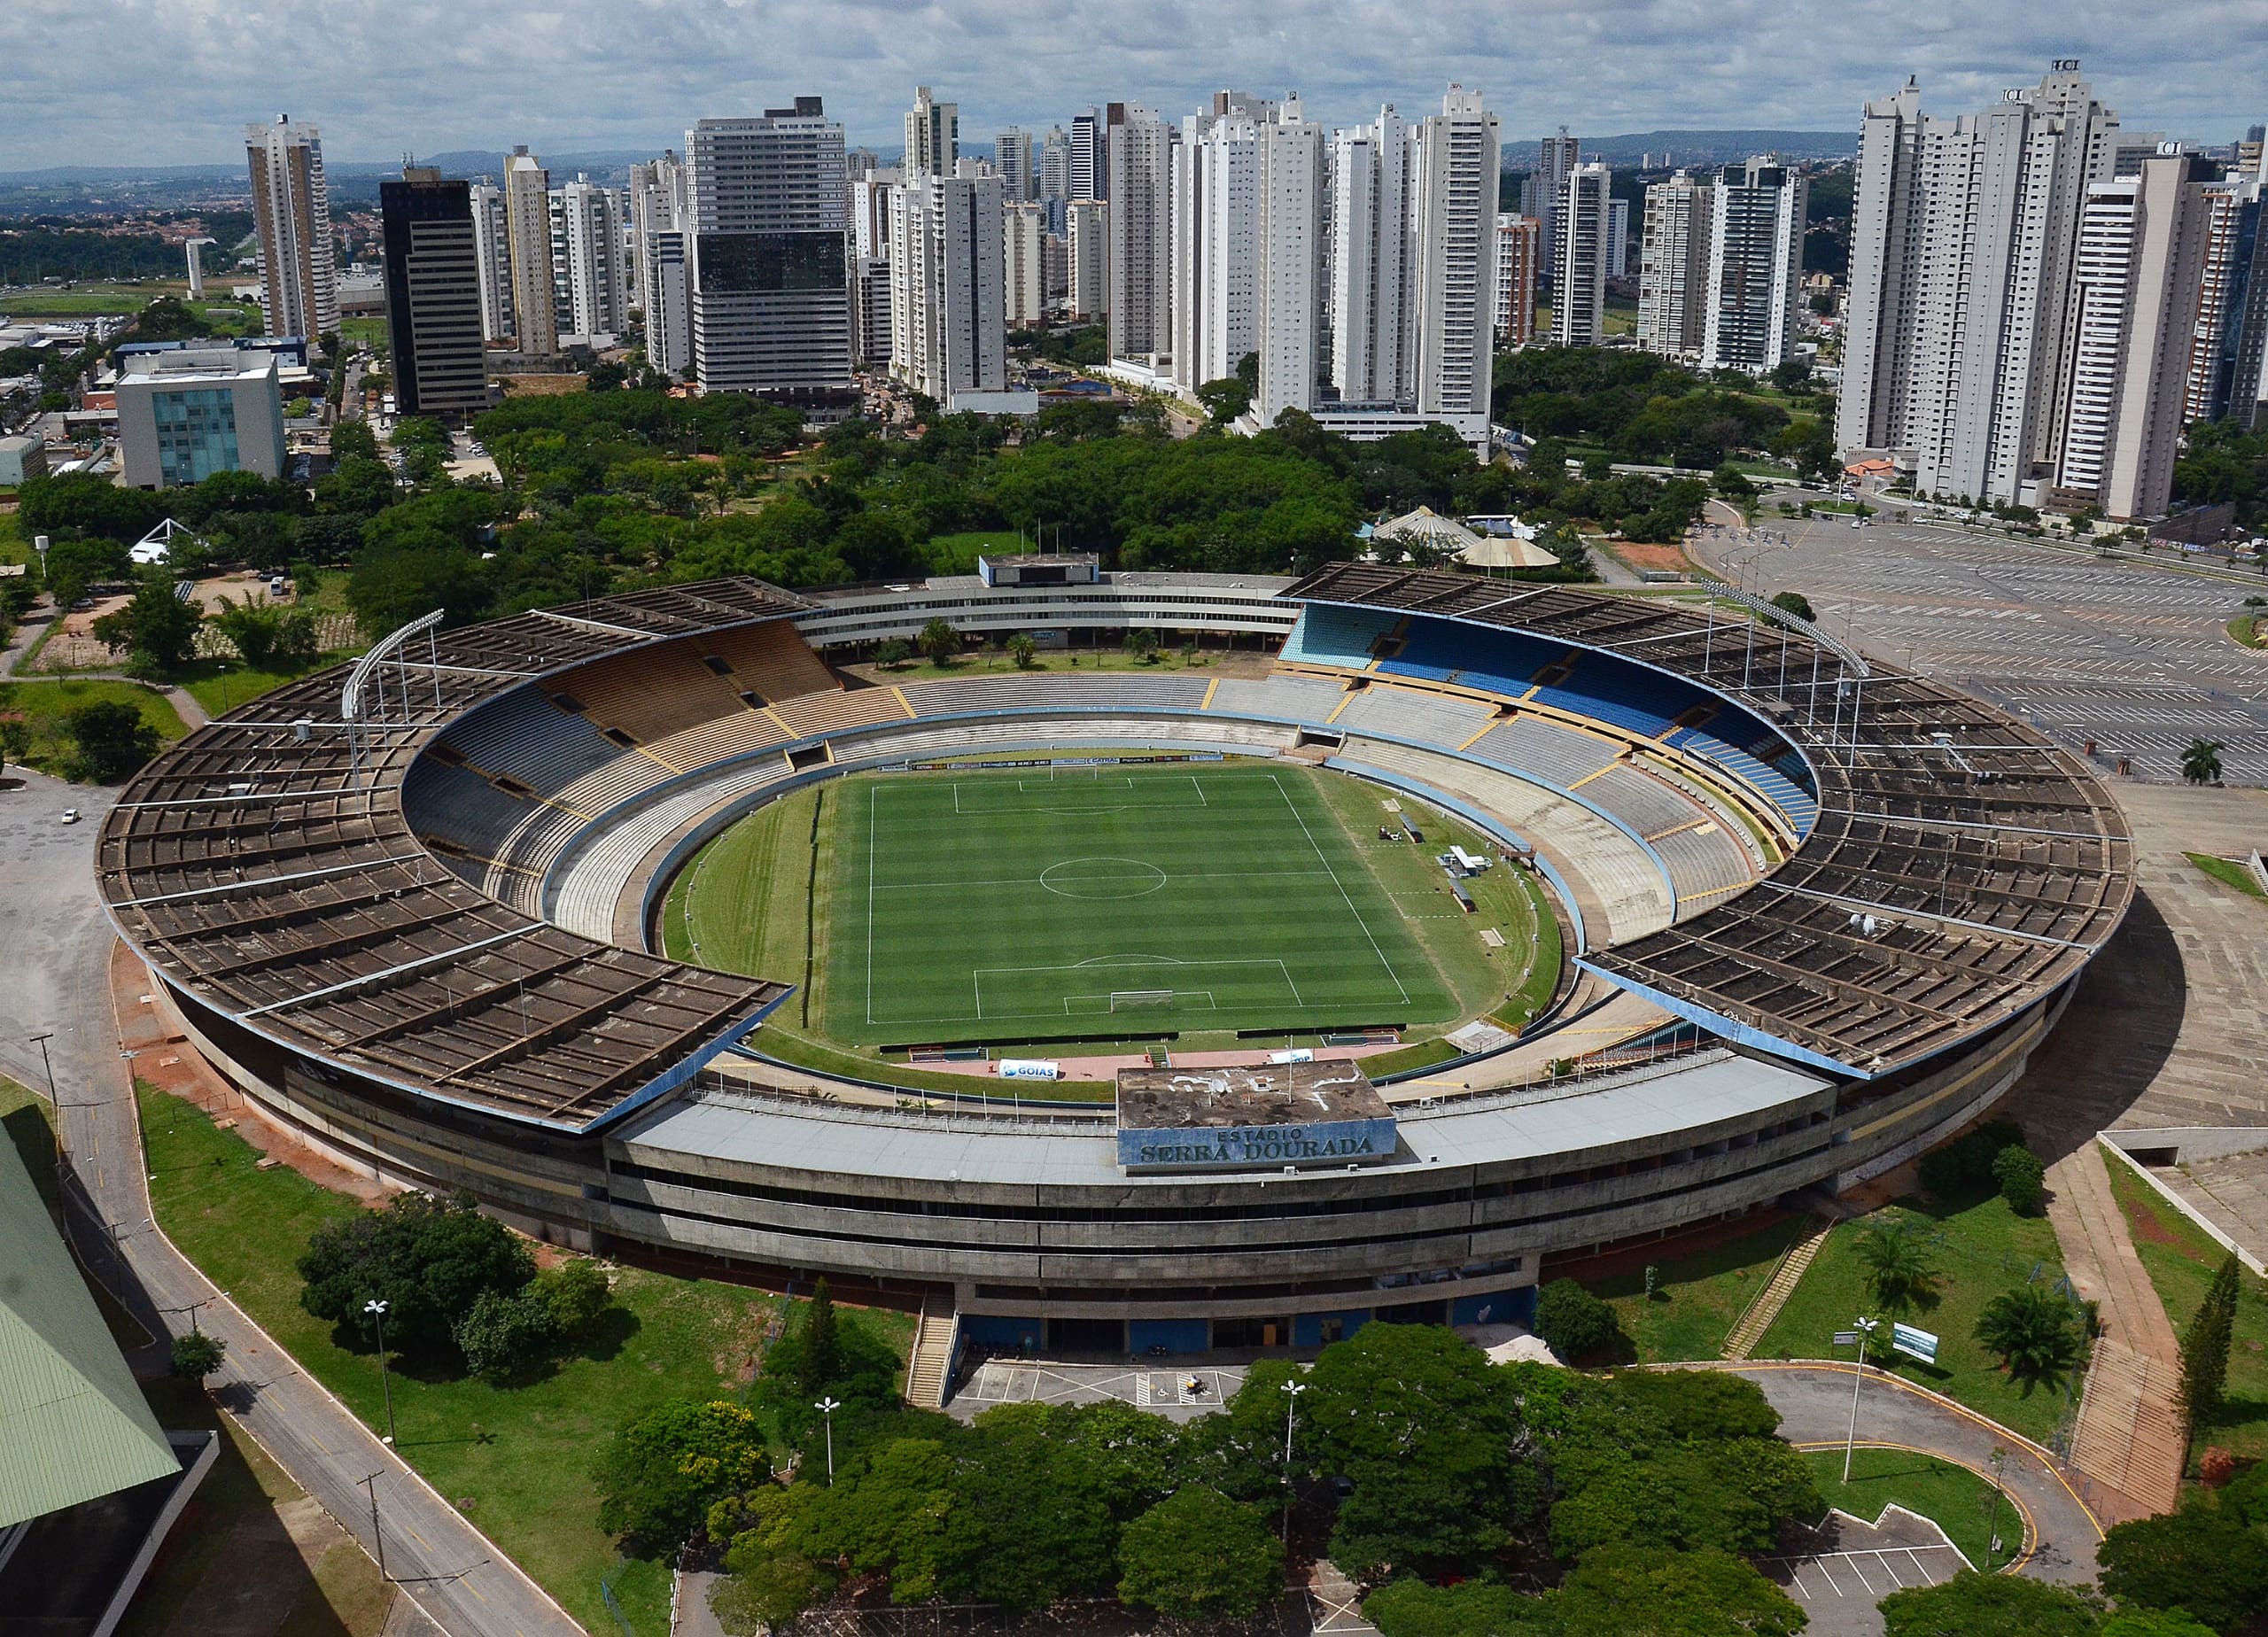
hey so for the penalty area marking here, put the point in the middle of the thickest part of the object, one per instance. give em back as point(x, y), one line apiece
point(977, 974)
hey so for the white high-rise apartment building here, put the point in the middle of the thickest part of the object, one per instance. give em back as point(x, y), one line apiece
point(527, 228)
point(291, 208)
point(589, 259)
point(1140, 193)
point(1087, 251)
point(1556, 156)
point(1052, 170)
point(1215, 259)
point(492, 244)
point(1012, 155)
point(1674, 268)
point(771, 283)
point(1369, 292)
point(932, 134)
point(946, 271)
point(2136, 275)
point(1453, 167)
point(658, 211)
point(2232, 265)
point(1617, 237)
point(1962, 236)
point(1289, 276)
point(1024, 249)
point(1518, 239)
point(1756, 260)
point(1578, 298)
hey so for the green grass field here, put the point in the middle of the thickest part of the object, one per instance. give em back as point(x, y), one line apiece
point(45, 706)
point(1042, 901)
point(1953, 1497)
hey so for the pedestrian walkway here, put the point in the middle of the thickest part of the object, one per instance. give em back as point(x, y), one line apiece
point(1741, 1343)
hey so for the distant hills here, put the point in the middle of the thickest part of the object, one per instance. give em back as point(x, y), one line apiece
point(1698, 147)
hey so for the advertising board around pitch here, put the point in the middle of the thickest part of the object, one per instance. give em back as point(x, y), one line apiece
point(1248, 1118)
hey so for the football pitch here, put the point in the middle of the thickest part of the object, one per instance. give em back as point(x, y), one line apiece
point(1108, 901)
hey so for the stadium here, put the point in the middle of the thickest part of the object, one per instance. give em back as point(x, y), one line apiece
point(640, 921)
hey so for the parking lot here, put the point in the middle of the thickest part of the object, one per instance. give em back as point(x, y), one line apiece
point(1855, 1564)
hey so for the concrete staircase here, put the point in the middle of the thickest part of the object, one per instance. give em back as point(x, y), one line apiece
point(2130, 1433)
point(1741, 1343)
point(932, 1362)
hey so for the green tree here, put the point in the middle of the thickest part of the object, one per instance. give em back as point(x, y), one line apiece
point(1142, 643)
point(1902, 1275)
point(893, 654)
point(392, 586)
point(660, 1473)
point(255, 626)
point(1990, 1605)
point(822, 1352)
point(157, 631)
point(1796, 603)
point(1027, 1526)
point(1574, 1324)
point(110, 740)
point(15, 739)
point(1617, 1590)
point(2202, 1559)
point(1732, 483)
point(939, 643)
point(2205, 1348)
point(2023, 1176)
point(1199, 1556)
point(2201, 761)
point(1024, 652)
point(502, 1336)
point(577, 1294)
point(196, 1354)
point(75, 565)
point(2034, 1332)
point(1224, 399)
point(428, 1260)
point(2154, 1623)
point(1410, 1607)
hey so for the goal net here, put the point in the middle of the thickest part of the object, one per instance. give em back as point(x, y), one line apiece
point(1120, 999)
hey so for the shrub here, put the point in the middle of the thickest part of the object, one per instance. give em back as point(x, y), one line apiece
point(110, 742)
point(501, 1335)
point(1963, 1166)
point(662, 1470)
point(1573, 1323)
point(196, 1354)
point(576, 1292)
point(2022, 1177)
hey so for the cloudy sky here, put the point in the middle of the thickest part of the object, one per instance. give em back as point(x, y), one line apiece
point(172, 81)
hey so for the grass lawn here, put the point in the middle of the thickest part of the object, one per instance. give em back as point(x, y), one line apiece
point(2181, 1259)
point(957, 553)
point(45, 705)
point(516, 1459)
point(1983, 1249)
point(1701, 1295)
point(2245, 628)
point(363, 332)
point(1953, 1497)
point(30, 1122)
point(2228, 872)
point(84, 302)
point(221, 690)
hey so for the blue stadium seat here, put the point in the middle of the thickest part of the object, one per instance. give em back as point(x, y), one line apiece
point(1331, 635)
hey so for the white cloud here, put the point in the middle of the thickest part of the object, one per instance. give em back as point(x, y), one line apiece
point(119, 81)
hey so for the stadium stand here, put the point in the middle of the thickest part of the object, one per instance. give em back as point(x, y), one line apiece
point(523, 736)
point(810, 715)
point(1107, 691)
point(647, 694)
point(1327, 635)
point(1409, 713)
point(1564, 757)
point(770, 660)
point(1279, 698)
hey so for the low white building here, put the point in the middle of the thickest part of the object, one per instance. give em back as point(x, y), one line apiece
point(184, 416)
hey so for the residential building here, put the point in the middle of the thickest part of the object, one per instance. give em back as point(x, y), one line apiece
point(1756, 260)
point(858, 162)
point(1291, 193)
point(23, 456)
point(1055, 269)
point(291, 209)
point(1023, 248)
point(2232, 264)
point(870, 213)
point(1518, 241)
point(589, 259)
point(1012, 154)
point(432, 273)
point(1962, 235)
point(1087, 251)
point(1051, 177)
point(1140, 154)
point(194, 250)
point(932, 134)
point(1617, 238)
point(1088, 172)
point(870, 312)
point(492, 247)
point(2136, 274)
point(1674, 268)
point(772, 281)
point(658, 210)
point(947, 308)
point(1369, 294)
point(1579, 293)
point(1454, 168)
point(1556, 156)
point(1215, 255)
point(527, 230)
point(2252, 154)
point(184, 415)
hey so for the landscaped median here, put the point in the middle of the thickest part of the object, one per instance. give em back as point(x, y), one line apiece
point(516, 1459)
point(1959, 1501)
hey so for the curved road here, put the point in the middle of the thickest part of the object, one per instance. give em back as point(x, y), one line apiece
point(58, 980)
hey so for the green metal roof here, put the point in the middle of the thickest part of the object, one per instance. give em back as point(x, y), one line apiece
point(73, 1425)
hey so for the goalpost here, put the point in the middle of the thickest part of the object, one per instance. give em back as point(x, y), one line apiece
point(1121, 999)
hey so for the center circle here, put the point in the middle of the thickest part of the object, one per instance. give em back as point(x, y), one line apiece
point(1102, 878)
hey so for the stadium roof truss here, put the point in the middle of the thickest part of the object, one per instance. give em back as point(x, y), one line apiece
point(265, 865)
point(1963, 868)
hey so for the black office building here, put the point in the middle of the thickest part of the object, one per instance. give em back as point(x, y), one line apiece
point(432, 294)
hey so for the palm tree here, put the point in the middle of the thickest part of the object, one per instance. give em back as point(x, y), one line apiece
point(2035, 1332)
point(2200, 762)
point(1901, 1274)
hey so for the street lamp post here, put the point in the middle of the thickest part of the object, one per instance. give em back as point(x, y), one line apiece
point(377, 1309)
point(827, 1407)
point(1291, 1391)
point(1866, 1328)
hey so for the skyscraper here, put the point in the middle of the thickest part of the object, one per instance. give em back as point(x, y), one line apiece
point(932, 134)
point(1454, 166)
point(946, 267)
point(1674, 268)
point(1291, 201)
point(1139, 148)
point(1578, 298)
point(2232, 263)
point(1517, 238)
point(432, 276)
point(770, 277)
point(1370, 260)
point(1962, 235)
point(491, 244)
point(1216, 214)
point(590, 266)
point(1756, 256)
point(1052, 178)
point(1556, 156)
point(1012, 155)
point(291, 208)
point(1023, 245)
point(527, 226)
point(1089, 156)
point(1087, 250)
point(1617, 238)
point(659, 209)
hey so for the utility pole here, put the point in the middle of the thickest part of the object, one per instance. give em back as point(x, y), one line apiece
point(377, 1538)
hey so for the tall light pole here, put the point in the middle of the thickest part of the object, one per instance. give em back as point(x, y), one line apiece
point(377, 1309)
point(827, 1407)
point(1291, 1391)
point(1866, 1328)
point(45, 1062)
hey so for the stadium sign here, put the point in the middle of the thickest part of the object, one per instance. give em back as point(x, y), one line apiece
point(1244, 1148)
point(1262, 1116)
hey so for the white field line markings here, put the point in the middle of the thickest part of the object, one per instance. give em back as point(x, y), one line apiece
point(1171, 880)
point(1300, 820)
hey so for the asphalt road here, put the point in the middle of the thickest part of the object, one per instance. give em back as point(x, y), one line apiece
point(56, 979)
